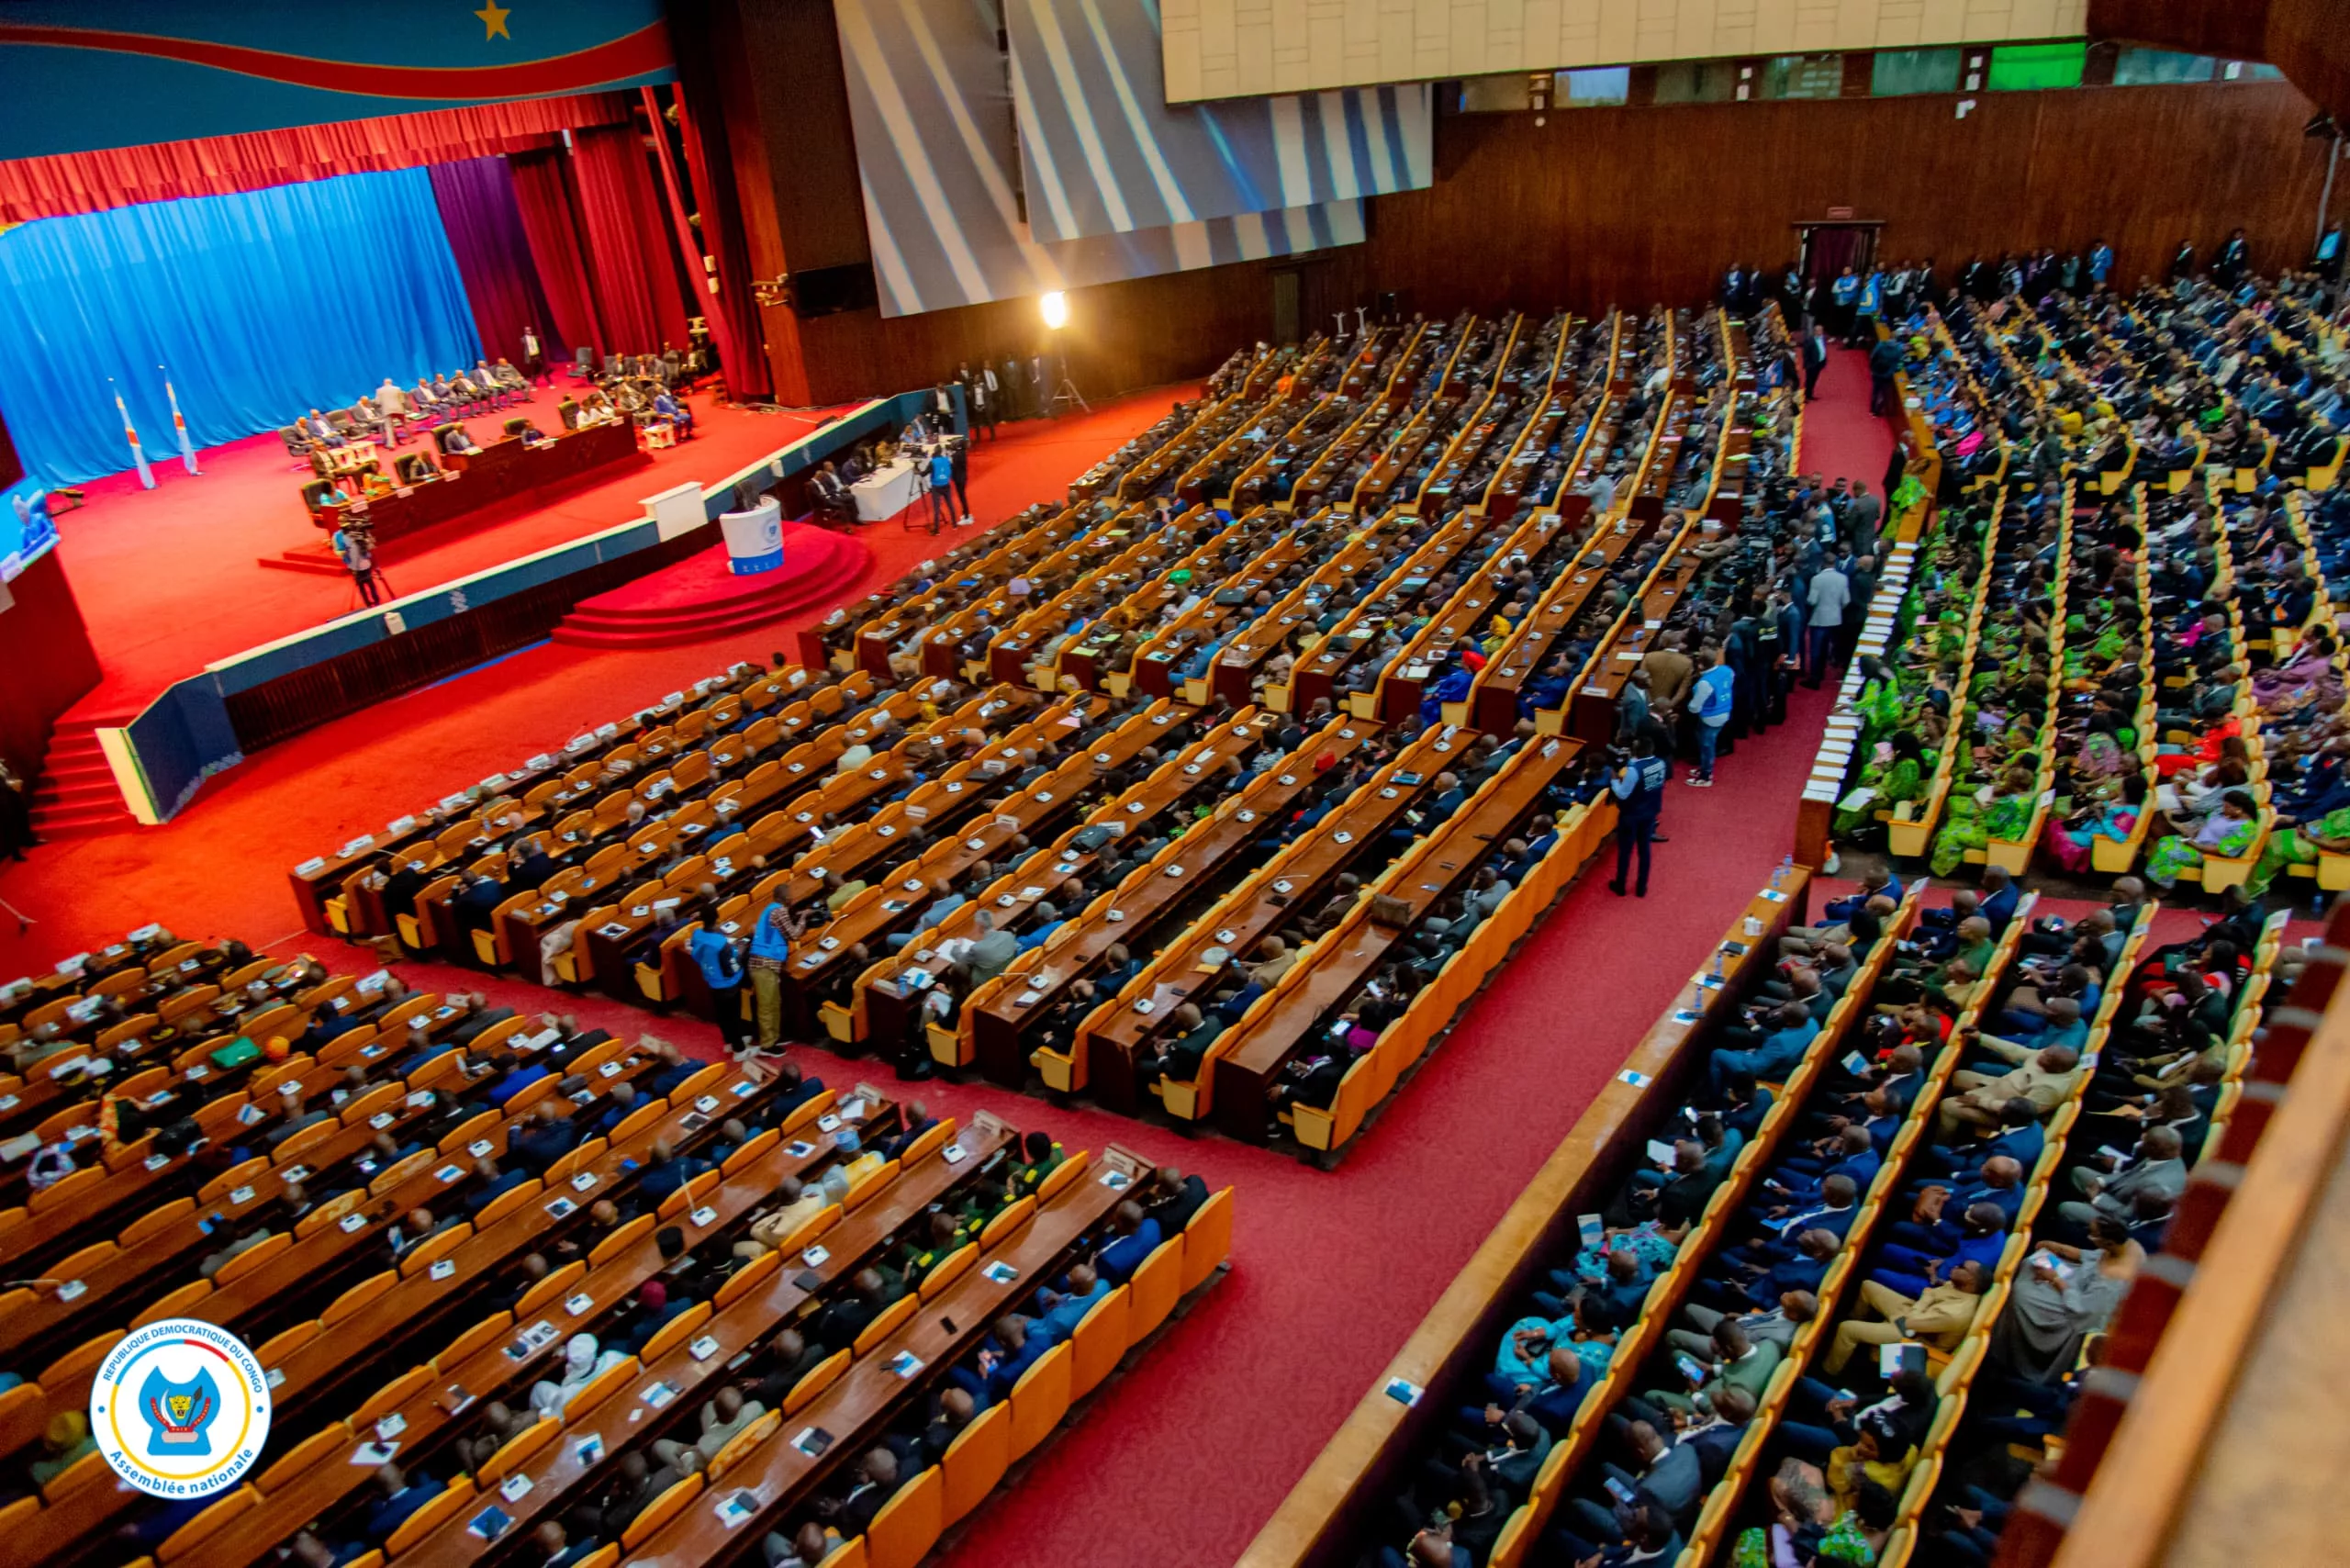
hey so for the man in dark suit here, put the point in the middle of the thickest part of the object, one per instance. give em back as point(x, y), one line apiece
point(1814, 360)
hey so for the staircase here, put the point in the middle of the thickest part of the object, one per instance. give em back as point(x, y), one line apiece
point(698, 598)
point(77, 796)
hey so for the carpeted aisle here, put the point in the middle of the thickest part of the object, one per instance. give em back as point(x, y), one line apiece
point(1183, 1458)
point(1840, 438)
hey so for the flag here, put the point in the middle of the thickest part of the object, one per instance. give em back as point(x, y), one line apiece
point(179, 423)
point(138, 455)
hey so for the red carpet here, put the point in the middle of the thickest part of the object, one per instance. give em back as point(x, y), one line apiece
point(221, 863)
point(701, 598)
point(1183, 1460)
point(170, 579)
point(1840, 437)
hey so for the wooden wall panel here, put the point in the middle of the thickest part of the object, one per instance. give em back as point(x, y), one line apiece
point(1632, 204)
point(1635, 204)
point(1141, 333)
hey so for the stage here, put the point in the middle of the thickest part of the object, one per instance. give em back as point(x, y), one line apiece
point(170, 579)
point(169, 582)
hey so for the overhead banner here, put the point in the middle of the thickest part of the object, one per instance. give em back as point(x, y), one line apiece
point(1104, 153)
point(938, 155)
point(78, 75)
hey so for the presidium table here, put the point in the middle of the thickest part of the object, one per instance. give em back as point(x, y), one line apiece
point(887, 490)
point(471, 482)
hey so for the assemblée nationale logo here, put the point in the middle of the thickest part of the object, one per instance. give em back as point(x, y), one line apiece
point(180, 1409)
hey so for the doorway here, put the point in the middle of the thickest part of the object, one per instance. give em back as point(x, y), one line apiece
point(1285, 306)
point(1826, 249)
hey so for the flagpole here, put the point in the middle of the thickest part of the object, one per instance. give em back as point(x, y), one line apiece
point(138, 455)
point(179, 423)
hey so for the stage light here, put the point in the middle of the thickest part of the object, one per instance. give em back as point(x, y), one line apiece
point(1055, 308)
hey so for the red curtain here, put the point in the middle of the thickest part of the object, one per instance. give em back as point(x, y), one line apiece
point(634, 279)
point(698, 299)
point(734, 314)
point(478, 211)
point(215, 165)
point(542, 191)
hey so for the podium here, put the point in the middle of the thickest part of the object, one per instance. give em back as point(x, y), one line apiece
point(754, 538)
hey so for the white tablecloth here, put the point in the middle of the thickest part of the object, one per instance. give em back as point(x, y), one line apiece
point(886, 491)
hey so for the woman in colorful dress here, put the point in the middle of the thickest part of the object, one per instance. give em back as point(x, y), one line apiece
point(2299, 844)
point(1976, 819)
point(2230, 832)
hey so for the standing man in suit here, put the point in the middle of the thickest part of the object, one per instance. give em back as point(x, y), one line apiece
point(1015, 390)
point(1815, 359)
point(1040, 387)
point(534, 357)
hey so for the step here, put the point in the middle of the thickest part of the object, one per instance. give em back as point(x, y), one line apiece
point(96, 793)
point(612, 621)
point(80, 827)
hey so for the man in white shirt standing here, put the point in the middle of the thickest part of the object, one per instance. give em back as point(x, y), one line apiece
point(1831, 591)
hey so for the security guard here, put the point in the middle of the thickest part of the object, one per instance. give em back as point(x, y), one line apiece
point(1638, 785)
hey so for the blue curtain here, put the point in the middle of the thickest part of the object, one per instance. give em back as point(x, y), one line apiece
point(264, 305)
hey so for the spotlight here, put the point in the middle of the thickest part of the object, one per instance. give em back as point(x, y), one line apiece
point(1055, 308)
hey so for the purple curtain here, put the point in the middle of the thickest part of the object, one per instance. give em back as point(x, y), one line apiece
point(485, 223)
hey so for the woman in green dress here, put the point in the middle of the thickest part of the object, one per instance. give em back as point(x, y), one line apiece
point(2299, 844)
point(1895, 775)
point(2229, 832)
point(1975, 822)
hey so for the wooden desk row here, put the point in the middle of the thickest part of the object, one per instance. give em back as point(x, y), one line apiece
point(1572, 387)
point(1543, 541)
point(894, 903)
point(170, 1013)
point(1139, 558)
point(995, 1014)
point(477, 481)
point(1102, 659)
point(863, 638)
point(1454, 415)
point(312, 1361)
point(1305, 871)
point(1328, 423)
point(884, 993)
point(1243, 1066)
point(1372, 490)
point(1315, 484)
point(152, 1248)
point(1274, 543)
point(501, 1354)
point(805, 771)
point(781, 1475)
point(132, 1172)
point(1233, 677)
point(1531, 366)
point(1335, 657)
point(561, 1457)
point(847, 848)
point(318, 883)
point(1494, 695)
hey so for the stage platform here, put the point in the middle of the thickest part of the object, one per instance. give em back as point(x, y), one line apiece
point(503, 481)
point(701, 598)
point(170, 579)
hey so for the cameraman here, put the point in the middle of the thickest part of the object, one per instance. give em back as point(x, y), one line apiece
point(1638, 784)
point(355, 543)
